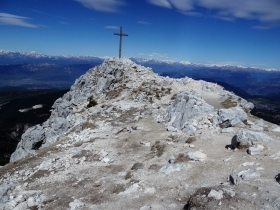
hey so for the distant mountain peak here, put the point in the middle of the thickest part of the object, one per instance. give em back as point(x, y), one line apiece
point(17, 57)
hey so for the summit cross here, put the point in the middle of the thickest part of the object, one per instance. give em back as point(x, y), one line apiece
point(121, 35)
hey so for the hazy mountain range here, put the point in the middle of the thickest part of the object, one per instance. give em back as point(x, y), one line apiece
point(12, 58)
point(34, 70)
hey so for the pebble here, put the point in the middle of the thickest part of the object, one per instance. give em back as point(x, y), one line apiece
point(248, 164)
point(76, 204)
point(254, 151)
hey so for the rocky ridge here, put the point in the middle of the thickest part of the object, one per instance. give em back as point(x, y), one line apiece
point(151, 142)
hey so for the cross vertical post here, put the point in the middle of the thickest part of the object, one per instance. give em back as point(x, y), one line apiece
point(121, 35)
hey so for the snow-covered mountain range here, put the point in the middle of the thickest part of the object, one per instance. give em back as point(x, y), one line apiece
point(11, 58)
point(16, 57)
point(35, 69)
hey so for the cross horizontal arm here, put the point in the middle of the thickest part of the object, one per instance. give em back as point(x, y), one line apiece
point(120, 34)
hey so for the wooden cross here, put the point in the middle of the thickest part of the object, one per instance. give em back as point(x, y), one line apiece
point(121, 35)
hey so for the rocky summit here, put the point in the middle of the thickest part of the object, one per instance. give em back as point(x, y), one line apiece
point(124, 137)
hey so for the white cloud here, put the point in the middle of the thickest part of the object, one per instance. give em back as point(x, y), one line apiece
point(158, 55)
point(263, 27)
point(102, 5)
point(264, 11)
point(161, 3)
point(143, 22)
point(190, 13)
point(183, 4)
point(10, 19)
point(112, 27)
point(267, 12)
point(37, 11)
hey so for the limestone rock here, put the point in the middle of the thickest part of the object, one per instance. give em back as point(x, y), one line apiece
point(276, 203)
point(231, 117)
point(150, 190)
point(187, 111)
point(256, 150)
point(276, 129)
point(256, 128)
point(250, 173)
point(145, 208)
point(227, 130)
point(259, 122)
point(21, 206)
point(132, 189)
point(218, 195)
point(230, 192)
point(275, 155)
point(76, 204)
point(6, 188)
point(197, 156)
point(170, 168)
point(247, 138)
point(45, 165)
point(247, 105)
point(94, 83)
point(233, 179)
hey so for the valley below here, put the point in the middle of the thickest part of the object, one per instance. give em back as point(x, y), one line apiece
point(14, 123)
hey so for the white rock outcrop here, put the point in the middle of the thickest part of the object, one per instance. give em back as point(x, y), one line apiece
point(247, 138)
point(188, 111)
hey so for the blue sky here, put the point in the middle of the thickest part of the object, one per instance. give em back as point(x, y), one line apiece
point(236, 32)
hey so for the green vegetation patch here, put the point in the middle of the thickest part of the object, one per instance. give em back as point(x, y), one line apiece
point(92, 102)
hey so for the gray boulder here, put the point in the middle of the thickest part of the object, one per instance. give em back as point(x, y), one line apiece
point(197, 155)
point(231, 117)
point(38, 136)
point(217, 195)
point(246, 105)
point(250, 173)
point(254, 151)
point(187, 111)
point(76, 204)
point(33, 138)
point(6, 189)
point(247, 138)
point(170, 168)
